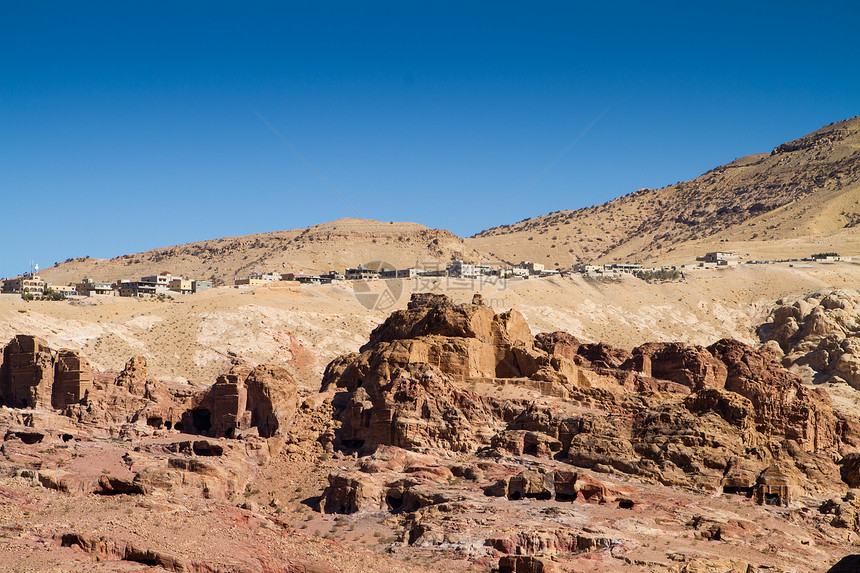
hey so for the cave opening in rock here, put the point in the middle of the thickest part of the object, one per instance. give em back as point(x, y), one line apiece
point(353, 444)
point(202, 419)
point(626, 503)
point(142, 559)
point(737, 490)
point(565, 497)
point(395, 502)
point(154, 421)
point(67, 437)
point(771, 499)
point(30, 438)
point(515, 495)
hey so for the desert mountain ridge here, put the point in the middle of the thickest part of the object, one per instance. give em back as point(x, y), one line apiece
point(319, 248)
point(800, 198)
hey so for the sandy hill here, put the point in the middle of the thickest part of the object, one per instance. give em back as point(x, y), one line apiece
point(319, 248)
point(801, 198)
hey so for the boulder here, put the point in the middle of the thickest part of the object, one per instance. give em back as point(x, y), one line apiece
point(111, 485)
point(351, 492)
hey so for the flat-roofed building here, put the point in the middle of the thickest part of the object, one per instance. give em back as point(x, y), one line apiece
point(180, 285)
point(89, 287)
point(465, 270)
point(29, 283)
point(65, 290)
point(720, 258)
point(138, 289)
point(361, 273)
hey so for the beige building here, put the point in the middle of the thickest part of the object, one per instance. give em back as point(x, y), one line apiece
point(180, 285)
point(27, 283)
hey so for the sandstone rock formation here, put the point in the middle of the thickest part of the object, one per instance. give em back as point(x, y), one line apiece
point(73, 378)
point(819, 335)
point(34, 376)
point(670, 412)
point(263, 399)
point(27, 373)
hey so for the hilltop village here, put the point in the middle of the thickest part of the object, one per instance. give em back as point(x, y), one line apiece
point(165, 284)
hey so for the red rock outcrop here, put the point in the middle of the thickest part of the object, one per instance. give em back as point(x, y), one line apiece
point(691, 366)
point(263, 399)
point(73, 378)
point(783, 406)
point(134, 376)
point(27, 373)
point(462, 340)
point(671, 412)
point(525, 564)
point(404, 388)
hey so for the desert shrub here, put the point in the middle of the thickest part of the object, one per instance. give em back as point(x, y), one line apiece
point(658, 275)
point(51, 294)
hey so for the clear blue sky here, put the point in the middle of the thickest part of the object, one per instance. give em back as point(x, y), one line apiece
point(126, 126)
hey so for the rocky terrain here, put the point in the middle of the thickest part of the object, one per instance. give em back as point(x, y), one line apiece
point(801, 198)
point(453, 439)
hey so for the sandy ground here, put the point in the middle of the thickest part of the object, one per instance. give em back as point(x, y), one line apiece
point(304, 326)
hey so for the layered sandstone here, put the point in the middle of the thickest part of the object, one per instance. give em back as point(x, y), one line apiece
point(670, 412)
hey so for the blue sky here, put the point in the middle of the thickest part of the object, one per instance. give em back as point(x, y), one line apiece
point(126, 126)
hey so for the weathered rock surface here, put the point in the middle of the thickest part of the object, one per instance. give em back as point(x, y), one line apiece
point(821, 332)
point(670, 412)
point(525, 564)
point(73, 378)
point(27, 373)
point(262, 399)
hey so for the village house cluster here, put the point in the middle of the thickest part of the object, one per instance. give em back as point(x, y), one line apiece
point(455, 269)
point(161, 284)
point(165, 284)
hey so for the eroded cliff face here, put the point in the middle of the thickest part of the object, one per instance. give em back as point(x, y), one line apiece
point(678, 414)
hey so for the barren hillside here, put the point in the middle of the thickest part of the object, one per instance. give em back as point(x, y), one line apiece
point(319, 248)
point(799, 199)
